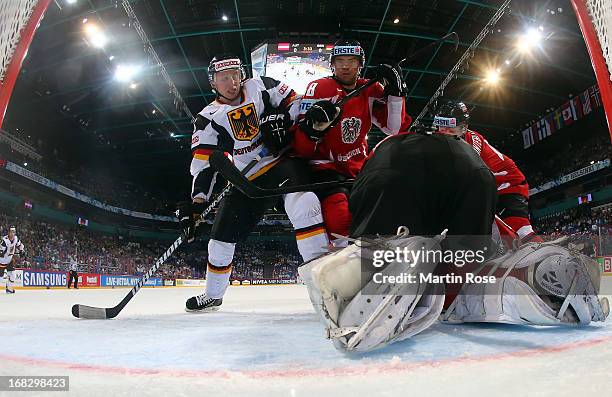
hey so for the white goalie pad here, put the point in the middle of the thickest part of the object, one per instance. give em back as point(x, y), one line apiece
point(361, 321)
point(562, 288)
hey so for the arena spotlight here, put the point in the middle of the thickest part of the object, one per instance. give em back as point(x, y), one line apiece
point(71, 1)
point(90, 29)
point(125, 73)
point(492, 77)
point(396, 20)
point(95, 36)
point(224, 17)
point(99, 40)
point(529, 40)
point(133, 85)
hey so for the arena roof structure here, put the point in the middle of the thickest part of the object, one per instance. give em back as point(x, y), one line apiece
point(67, 95)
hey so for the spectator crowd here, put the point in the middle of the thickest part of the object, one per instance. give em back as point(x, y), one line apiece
point(594, 225)
point(50, 246)
point(571, 158)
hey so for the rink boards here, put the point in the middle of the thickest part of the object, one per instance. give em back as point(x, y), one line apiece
point(39, 279)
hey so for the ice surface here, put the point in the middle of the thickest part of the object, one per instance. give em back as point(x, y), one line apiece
point(298, 77)
point(266, 340)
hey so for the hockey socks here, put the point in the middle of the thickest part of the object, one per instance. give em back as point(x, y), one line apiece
point(217, 280)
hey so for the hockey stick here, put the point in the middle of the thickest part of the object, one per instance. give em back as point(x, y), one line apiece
point(91, 312)
point(225, 167)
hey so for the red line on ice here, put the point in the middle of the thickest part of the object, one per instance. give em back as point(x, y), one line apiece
point(361, 369)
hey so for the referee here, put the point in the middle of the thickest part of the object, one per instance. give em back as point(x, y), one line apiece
point(72, 273)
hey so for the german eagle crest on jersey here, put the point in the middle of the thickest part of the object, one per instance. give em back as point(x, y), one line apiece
point(244, 122)
point(350, 128)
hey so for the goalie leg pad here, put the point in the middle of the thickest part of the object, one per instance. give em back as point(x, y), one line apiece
point(516, 304)
point(373, 321)
point(561, 288)
point(362, 318)
point(338, 280)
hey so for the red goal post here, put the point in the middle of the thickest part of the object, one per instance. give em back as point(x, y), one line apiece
point(595, 21)
point(19, 19)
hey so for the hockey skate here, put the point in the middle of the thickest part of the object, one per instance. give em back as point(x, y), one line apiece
point(202, 303)
point(10, 291)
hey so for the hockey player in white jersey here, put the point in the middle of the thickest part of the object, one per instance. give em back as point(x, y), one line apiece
point(9, 246)
point(247, 115)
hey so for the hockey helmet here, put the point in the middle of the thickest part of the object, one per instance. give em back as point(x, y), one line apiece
point(223, 62)
point(347, 47)
point(452, 114)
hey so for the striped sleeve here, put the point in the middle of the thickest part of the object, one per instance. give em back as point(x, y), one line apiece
point(207, 137)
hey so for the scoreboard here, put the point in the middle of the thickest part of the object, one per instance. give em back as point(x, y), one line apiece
point(296, 64)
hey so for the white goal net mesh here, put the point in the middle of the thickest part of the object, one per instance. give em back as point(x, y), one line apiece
point(14, 15)
point(600, 12)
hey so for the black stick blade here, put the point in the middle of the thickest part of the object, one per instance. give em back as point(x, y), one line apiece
point(89, 312)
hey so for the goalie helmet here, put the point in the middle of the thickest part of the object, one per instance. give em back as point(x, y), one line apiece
point(223, 62)
point(347, 47)
point(451, 115)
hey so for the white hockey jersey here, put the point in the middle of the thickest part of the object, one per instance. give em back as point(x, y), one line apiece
point(8, 249)
point(235, 130)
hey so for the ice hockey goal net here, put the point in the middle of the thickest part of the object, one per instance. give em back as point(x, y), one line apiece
point(595, 20)
point(18, 22)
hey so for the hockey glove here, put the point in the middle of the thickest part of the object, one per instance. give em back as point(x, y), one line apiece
point(391, 76)
point(274, 128)
point(187, 213)
point(319, 118)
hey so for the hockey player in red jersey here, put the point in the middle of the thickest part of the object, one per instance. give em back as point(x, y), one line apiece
point(512, 189)
point(335, 139)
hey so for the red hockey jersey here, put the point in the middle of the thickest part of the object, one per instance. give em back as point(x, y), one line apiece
point(507, 175)
point(344, 147)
